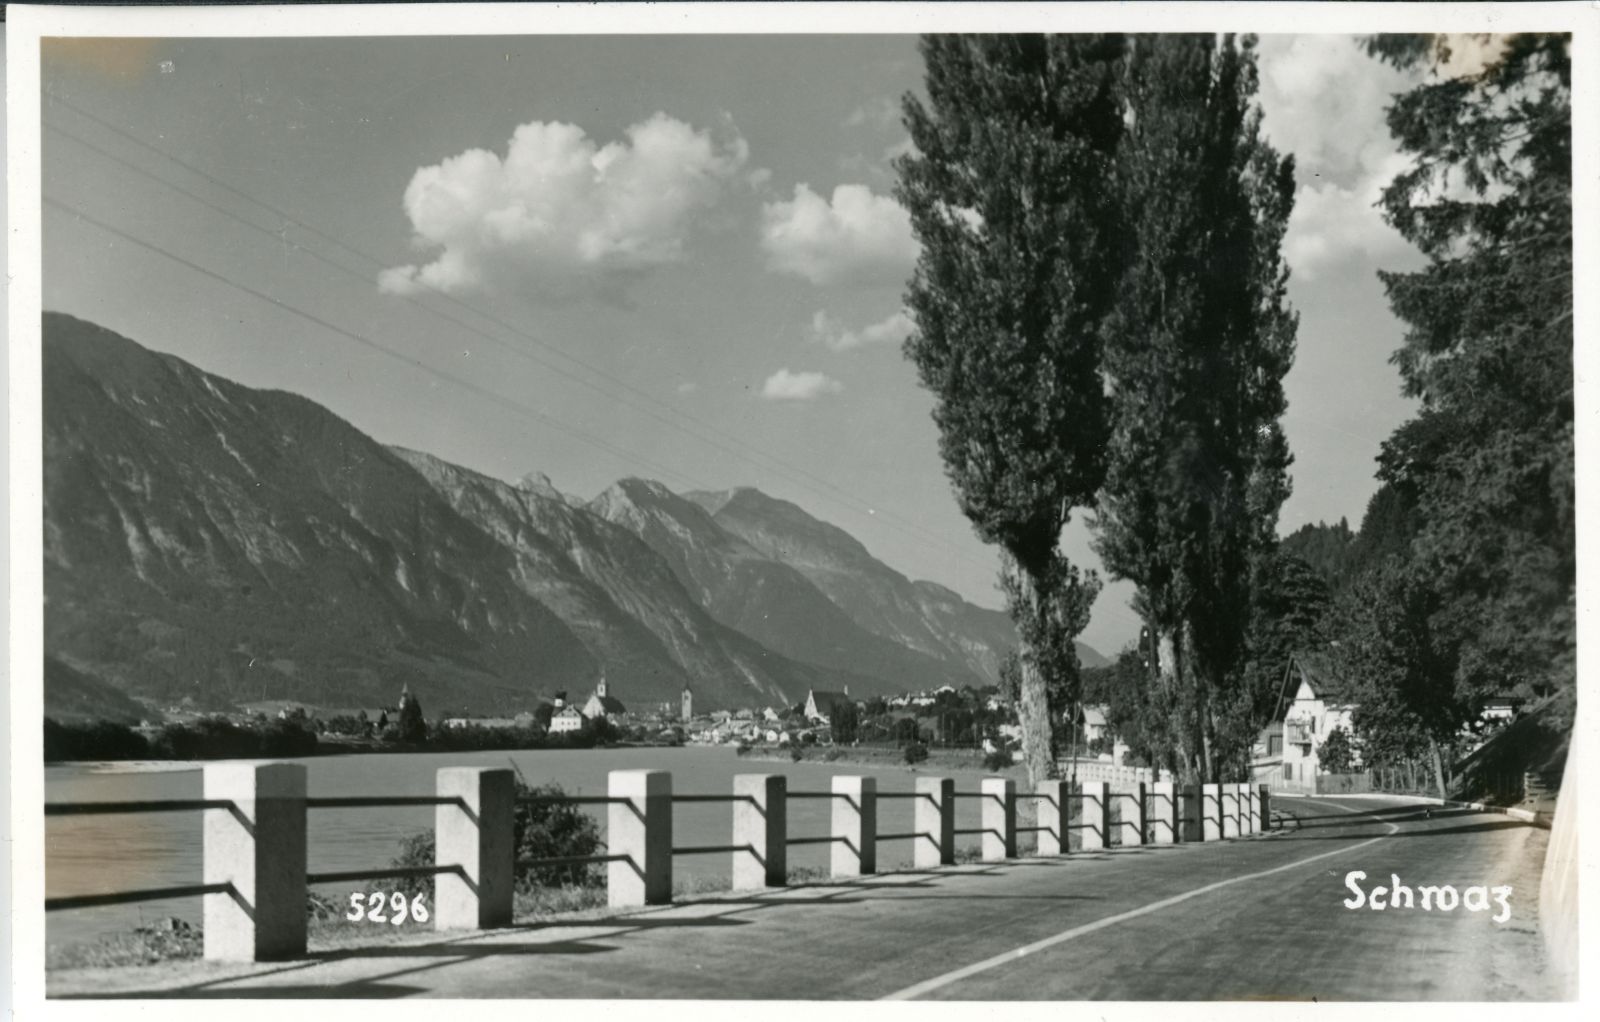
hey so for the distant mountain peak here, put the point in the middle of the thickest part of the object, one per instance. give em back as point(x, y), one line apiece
point(539, 483)
point(713, 500)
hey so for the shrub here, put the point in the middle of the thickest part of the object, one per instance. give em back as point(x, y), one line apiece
point(832, 754)
point(101, 739)
point(915, 752)
point(796, 754)
point(288, 738)
point(997, 760)
point(540, 830)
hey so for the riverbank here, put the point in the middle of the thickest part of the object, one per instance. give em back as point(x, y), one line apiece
point(880, 757)
point(333, 747)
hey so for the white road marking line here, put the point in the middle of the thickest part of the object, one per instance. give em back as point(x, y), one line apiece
point(937, 982)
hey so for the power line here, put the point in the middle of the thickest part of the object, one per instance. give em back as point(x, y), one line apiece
point(366, 342)
point(365, 280)
point(905, 526)
point(885, 519)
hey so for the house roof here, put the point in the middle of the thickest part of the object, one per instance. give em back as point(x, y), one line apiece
point(826, 700)
point(1321, 672)
point(608, 704)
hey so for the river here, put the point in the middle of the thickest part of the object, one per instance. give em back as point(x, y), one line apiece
point(94, 854)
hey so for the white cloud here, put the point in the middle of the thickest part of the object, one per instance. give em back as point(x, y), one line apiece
point(1324, 100)
point(893, 330)
point(559, 210)
point(857, 236)
point(1330, 224)
point(784, 385)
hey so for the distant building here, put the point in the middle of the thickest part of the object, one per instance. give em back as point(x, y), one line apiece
point(1499, 708)
point(688, 705)
point(819, 705)
point(1094, 722)
point(1321, 704)
point(566, 719)
point(460, 722)
point(602, 703)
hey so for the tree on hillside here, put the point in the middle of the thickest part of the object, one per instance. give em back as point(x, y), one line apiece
point(1195, 353)
point(1488, 350)
point(1326, 549)
point(1010, 193)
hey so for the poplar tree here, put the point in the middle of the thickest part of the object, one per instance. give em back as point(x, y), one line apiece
point(1195, 353)
point(1010, 190)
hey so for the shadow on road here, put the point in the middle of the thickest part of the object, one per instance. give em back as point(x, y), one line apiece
point(1471, 828)
point(1384, 812)
point(374, 991)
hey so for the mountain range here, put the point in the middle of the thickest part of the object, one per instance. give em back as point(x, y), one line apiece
point(209, 543)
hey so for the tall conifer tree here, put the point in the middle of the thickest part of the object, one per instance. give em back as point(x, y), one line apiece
point(1195, 354)
point(1011, 193)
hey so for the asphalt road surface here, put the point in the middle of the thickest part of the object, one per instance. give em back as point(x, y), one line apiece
point(1248, 919)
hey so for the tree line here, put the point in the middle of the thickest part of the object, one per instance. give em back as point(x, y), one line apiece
point(1102, 318)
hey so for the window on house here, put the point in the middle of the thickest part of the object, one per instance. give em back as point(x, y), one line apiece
point(1274, 745)
point(1313, 725)
point(1288, 771)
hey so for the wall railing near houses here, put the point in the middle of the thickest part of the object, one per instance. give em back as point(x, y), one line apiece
point(255, 848)
point(1307, 783)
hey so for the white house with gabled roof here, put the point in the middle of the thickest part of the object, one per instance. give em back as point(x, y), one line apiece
point(1322, 702)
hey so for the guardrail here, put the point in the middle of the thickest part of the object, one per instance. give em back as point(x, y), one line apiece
point(255, 876)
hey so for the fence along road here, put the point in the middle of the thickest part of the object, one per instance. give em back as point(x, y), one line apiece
point(1259, 917)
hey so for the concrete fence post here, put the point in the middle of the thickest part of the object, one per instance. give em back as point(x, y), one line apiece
point(476, 834)
point(1135, 815)
point(935, 819)
point(258, 846)
point(855, 826)
point(1228, 798)
point(760, 820)
point(1052, 816)
point(999, 819)
point(1164, 822)
point(1193, 814)
point(1247, 810)
point(1096, 819)
point(1263, 808)
point(1211, 811)
point(640, 828)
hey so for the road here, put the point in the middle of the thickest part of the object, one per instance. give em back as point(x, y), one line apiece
point(1256, 918)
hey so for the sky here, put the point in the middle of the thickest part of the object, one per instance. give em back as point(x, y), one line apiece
point(597, 257)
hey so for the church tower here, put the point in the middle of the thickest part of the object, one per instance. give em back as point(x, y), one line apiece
point(688, 704)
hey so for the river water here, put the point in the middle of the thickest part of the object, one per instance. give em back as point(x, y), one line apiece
point(94, 854)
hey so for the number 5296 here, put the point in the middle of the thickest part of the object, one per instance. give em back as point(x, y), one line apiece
point(371, 905)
